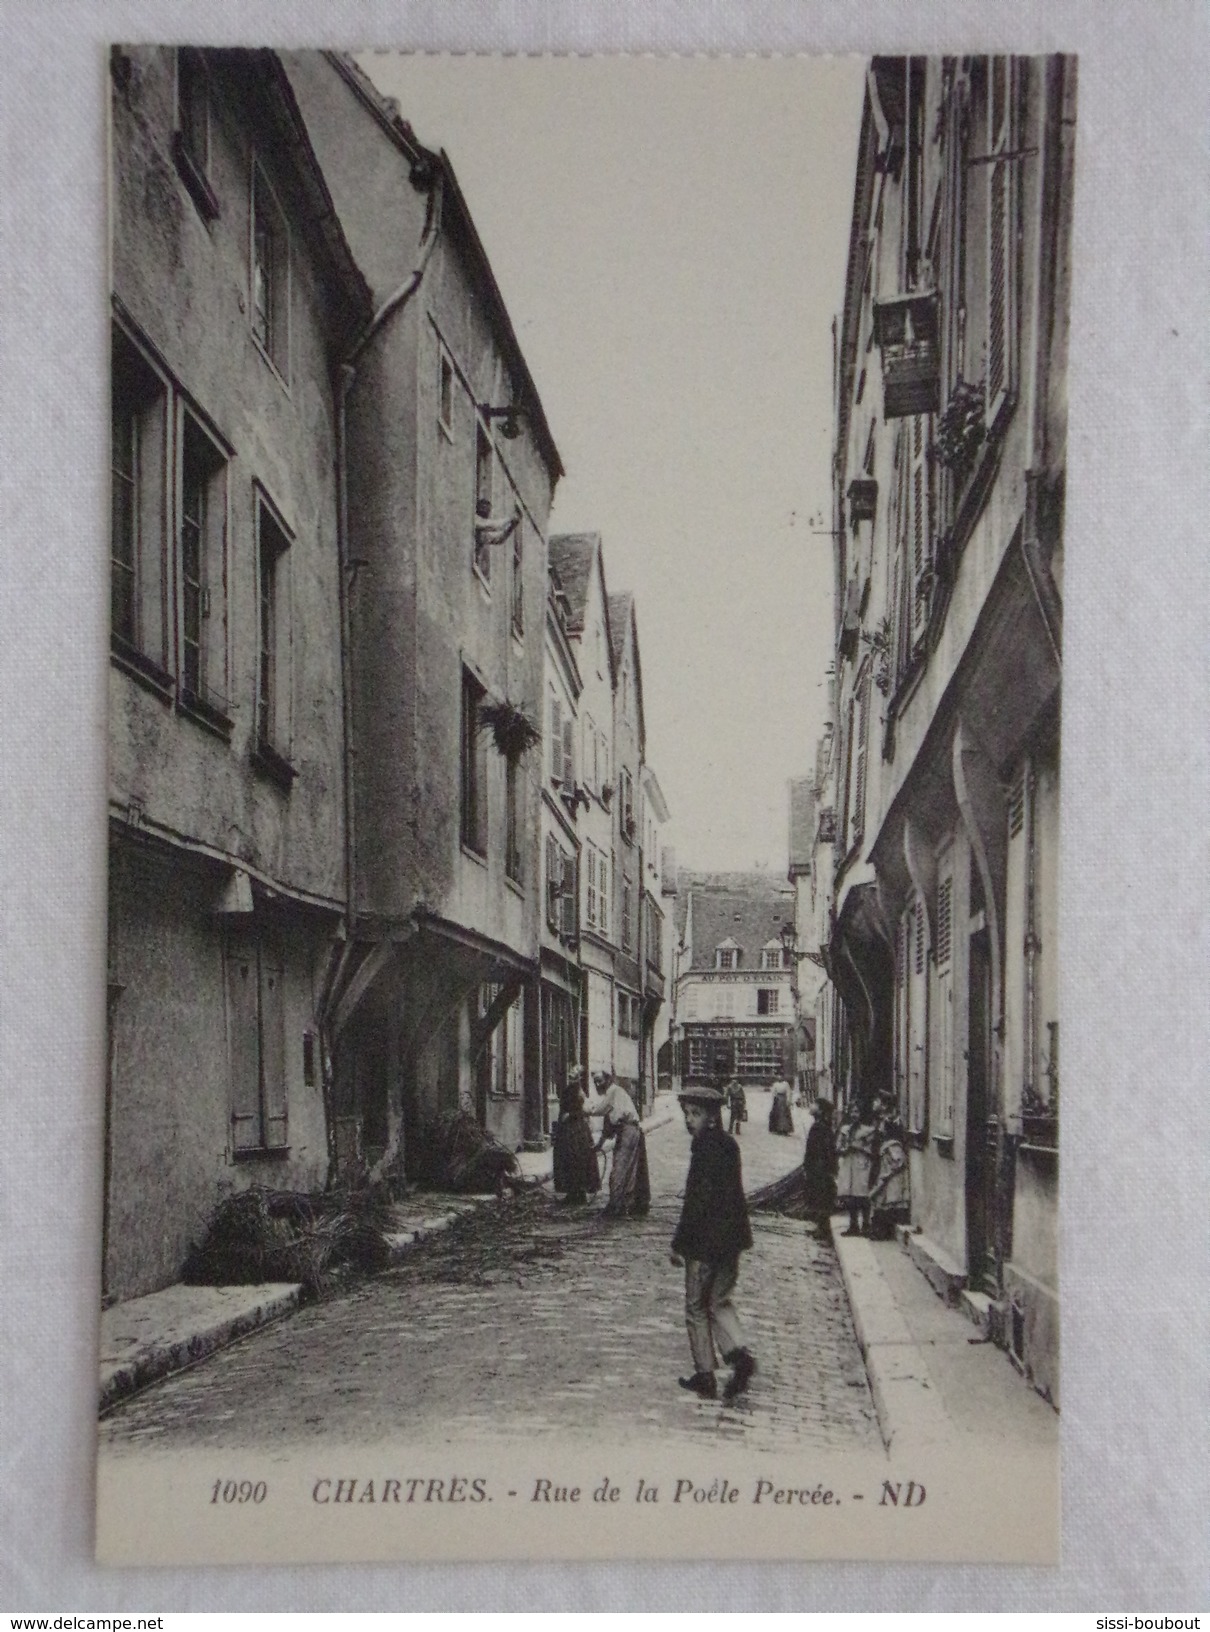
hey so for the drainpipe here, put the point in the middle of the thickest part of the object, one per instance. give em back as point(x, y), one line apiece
point(346, 374)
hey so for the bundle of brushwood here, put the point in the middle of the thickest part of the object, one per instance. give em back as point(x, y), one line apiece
point(288, 1235)
point(457, 1154)
point(787, 1196)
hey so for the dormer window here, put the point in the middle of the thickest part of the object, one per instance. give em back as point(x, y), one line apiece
point(772, 955)
point(726, 955)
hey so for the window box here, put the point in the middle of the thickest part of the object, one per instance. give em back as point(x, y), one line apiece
point(863, 499)
point(905, 328)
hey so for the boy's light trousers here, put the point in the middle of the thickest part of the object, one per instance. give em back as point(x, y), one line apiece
point(710, 1316)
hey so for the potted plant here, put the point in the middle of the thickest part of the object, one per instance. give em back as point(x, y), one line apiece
point(513, 732)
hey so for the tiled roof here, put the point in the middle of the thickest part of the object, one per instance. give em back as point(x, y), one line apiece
point(747, 908)
point(802, 821)
point(619, 622)
point(572, 556)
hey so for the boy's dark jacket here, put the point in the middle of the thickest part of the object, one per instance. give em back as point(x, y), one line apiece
point(714, 1220)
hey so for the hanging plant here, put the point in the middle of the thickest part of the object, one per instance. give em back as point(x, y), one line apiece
point(513, 732)
point(960, 428)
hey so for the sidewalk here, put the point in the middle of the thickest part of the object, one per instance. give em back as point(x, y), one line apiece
point(937, 1382)
point(148, 1338)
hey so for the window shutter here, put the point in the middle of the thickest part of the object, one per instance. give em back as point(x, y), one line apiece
point(1001, 235)
point(919, 533)
point(554, 876)
point(863, 733)
point(569, 753)
point(556, 739)
point(244, 1043)
point(273, 1047)
point(570, 896)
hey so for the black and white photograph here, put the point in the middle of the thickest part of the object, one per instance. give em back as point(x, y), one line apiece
point(586, 587)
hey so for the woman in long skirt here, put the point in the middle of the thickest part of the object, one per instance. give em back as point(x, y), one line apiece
point(629, 1181)
point(576, 1174)
point(781, 1119)
point(819, 1168)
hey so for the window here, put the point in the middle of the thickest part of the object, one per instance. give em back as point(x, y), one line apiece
point(726, 957)
point(445, 392)
point(945, 993)
point(270, 274)
point(724, 1002)
point(202, 567)
point(518, 600)
point(691, 1003)
point(191, 139)
point(627, 926)
point(758, 1058)
point(514, 786)
point(602, 760)
point(698, 1062)
point(571, 897)
point(606, 891)
point(273, 659)
point(255, 979)
point(484, 495)
point(474, 767)
point(771, 957)
point(766, 1000)
point(139, 508)
point(918, 519)
point(560, 889)
point(627, 803)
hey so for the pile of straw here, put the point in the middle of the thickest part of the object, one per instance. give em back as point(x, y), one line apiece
point(282, 1235)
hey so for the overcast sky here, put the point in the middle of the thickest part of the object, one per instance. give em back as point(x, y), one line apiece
point(670, 238)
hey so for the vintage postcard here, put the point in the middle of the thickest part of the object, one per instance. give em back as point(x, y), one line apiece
point(586, 609)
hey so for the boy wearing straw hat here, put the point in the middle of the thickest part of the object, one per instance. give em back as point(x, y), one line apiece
point(713, 1231)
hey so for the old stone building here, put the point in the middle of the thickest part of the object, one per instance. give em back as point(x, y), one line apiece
point(235, 297)
point(734, 1012)
point(578, 560)
point(949, 465)
point(451, 471)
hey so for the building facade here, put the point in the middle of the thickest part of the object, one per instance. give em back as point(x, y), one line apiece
point(562, 976)
point(734, 1012)
point(949, 465)
point(451, 469)
point(656, 930)
point(228, 854)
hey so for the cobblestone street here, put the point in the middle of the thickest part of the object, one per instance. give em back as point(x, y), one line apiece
point(532, 1319)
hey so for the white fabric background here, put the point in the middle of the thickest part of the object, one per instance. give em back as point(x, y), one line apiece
point(1136, 757)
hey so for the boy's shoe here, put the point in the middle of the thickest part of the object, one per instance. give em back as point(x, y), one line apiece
point(703, 1383)
point(743, 1370)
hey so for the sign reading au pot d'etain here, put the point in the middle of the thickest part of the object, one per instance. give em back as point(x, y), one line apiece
point(586, 559)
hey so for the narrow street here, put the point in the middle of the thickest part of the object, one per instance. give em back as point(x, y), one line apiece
point(532, 1319)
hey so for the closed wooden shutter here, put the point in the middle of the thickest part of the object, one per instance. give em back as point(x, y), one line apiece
point(1001, 235)
point(554, 878)
point(862, 729)
point(273, 1046)
point(243, 1042)
point(570, 896)
point(556, 740)
point(569, 753)
point(945, 995)
point(919, 529)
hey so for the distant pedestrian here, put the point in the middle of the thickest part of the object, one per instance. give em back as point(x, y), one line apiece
point(713, 1231)
point(576, 1173)
point(629, 1181)
point(737, 1106)
point(781, 1118)
point(819, 1168)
